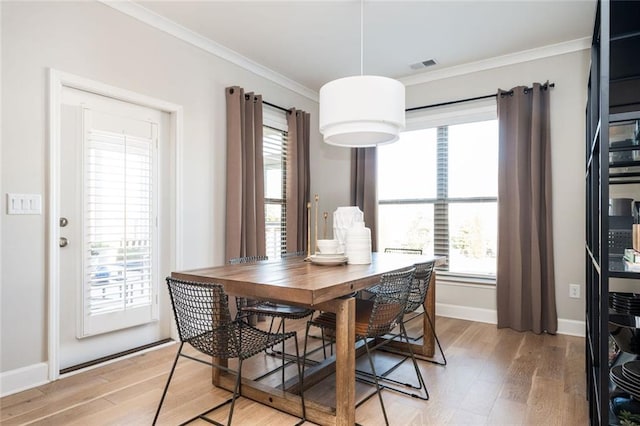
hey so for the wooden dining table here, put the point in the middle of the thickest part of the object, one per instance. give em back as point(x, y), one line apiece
point(297, 281)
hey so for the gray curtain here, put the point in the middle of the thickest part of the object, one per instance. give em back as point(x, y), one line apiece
point(298, 180)
point(245, 220)
point(364, 193)
point(525, 276)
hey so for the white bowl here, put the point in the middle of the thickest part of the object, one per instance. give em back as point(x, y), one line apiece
point(327, 246)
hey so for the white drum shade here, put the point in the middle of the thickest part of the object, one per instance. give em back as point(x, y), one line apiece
point(362, 111)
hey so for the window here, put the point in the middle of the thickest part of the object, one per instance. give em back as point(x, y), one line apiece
point(275, 169)
point(437, 191)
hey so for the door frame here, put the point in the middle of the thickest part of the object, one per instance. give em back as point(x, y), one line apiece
point(57, 81)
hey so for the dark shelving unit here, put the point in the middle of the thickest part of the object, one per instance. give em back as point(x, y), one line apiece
point(613, 98)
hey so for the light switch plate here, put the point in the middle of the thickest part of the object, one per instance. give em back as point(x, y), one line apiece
point(24, 203)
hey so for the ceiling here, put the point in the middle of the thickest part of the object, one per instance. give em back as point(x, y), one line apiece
point(313, 42)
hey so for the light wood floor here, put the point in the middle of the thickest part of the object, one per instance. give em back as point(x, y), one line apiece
point(494, 377)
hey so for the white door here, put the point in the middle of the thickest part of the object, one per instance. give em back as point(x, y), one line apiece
point(111, 246)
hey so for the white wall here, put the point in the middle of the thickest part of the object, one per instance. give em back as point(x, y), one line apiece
point(568, 101)
point(100, 43)
point(97, 42)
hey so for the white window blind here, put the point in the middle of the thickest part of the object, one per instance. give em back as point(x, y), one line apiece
point(120, 225)
point(275, 170)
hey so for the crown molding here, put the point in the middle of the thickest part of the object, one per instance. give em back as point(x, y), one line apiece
point(499, 61)
point(161, 23)
point(168, 26)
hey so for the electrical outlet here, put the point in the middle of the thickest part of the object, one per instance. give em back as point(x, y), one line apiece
point(574, 291)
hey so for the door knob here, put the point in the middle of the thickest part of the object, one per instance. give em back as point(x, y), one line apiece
point(63, 222)
point(63, 242)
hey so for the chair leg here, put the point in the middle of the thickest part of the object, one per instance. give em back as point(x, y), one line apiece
point(421, 383)
point(166, 386)
point(435, 336)
point(283, 358)
point(304, 351)
point(236, 390)
point(306, 337)
point(324, 344)
point(266, 350)
point(331, 347)
point(378, 390)
point(384, 378)
point(324, 348)
point(301, 380)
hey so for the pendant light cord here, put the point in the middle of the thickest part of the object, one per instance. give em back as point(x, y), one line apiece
point(361, 37)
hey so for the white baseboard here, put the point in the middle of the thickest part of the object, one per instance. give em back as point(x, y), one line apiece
point(571, 327)
point(28, 377)
point(565, 326)
point(467, 313)
point(23, 378)
point(120, 358)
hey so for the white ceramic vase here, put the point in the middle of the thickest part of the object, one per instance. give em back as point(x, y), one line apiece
point(343, 218)
point(358, 244)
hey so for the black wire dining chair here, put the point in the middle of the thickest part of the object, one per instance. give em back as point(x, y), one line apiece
point(375, 318)
point(247, 308)
point(203, 319)
point(417, 299)
point(417, 296)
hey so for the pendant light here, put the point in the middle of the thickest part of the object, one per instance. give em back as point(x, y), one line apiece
point(361, 111)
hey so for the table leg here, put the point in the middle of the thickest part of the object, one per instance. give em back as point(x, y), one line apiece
point(216, 372)
point(345, 362)
point(428, 342)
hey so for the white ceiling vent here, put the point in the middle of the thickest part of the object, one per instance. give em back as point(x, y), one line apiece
point(423, 64)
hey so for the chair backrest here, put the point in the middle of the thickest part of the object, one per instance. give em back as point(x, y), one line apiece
point(243, 302)
point(402, 250)
point(195, 306)
point(247, 259)
point(294, 254)
point(419, 285)
point(389, 301)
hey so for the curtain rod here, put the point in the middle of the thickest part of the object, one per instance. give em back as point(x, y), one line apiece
point(246, 96)
point(276, 106)
point(477, 98)
point(510, 92)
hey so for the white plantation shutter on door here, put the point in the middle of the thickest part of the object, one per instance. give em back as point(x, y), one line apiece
point(120, 288)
